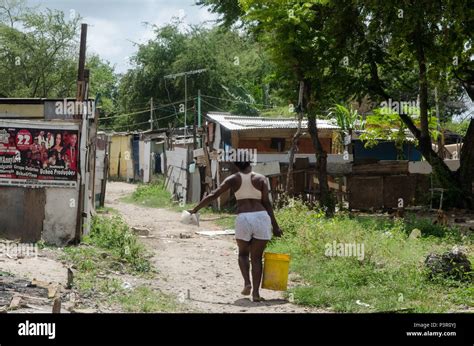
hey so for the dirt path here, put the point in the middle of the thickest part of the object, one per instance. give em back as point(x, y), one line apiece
point(203, 267)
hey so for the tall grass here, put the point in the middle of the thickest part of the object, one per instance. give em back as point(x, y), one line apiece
point(152, 195)
point(112, 248)
point(391, 275)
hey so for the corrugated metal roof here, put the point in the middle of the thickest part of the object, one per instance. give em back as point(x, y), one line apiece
point(240, 122)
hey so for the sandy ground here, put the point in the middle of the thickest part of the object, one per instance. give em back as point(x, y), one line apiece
point(201, 270)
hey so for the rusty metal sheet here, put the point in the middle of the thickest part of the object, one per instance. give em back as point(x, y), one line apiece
point(397, 187)
point(365, 192)
point(22, 213)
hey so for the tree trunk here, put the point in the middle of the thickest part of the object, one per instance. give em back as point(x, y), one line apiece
point(459, 183)
point(425, 138)
point(296, 136)
point(321, 167)
point(445, 176)
point(325, 198)
point(465, 173)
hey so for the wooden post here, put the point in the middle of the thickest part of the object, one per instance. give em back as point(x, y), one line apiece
point(57, 305)
point(208, 175)
point(105, 174)
point(80, 96)
point(194, 132)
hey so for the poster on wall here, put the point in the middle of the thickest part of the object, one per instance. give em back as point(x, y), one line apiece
point(38, 156)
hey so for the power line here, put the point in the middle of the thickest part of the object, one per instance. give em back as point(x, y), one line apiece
point(124, 126)
point(174, 114)
point(145, 110)
point(210, 104)
point(173, 103)
point(128, 114)
point(237, 101)
point(145, 122)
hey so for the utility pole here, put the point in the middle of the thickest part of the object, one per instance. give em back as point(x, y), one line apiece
point(199, 108)
point(185, 104)
point(199, 115)
point(151, 114)
point(185, 74)
point(194, 128)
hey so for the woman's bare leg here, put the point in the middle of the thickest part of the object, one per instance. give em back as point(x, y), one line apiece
point(244, 264)
point(257, 247)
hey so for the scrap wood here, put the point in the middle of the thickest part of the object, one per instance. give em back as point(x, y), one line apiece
point(29, 306)
point(70, 278)
point(53, 290)
point(15, 302)
point(39, 283)
point(32, 297)
point(57, 305)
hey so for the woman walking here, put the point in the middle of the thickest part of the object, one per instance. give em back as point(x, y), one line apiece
point(254, 224)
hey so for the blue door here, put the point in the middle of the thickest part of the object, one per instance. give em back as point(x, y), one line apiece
point(136, 157)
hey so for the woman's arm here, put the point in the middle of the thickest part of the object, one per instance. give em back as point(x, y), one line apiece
point(213, 195)
point(268, 207)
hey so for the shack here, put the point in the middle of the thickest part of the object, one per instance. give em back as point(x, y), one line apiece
point(267, 142)
point(47, 168)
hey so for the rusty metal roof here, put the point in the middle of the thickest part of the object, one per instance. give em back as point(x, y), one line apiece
point(240, 122)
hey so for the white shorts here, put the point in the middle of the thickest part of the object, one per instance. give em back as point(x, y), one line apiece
point(256, 224)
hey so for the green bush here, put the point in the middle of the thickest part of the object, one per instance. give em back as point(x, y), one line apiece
point(115, 235)
point(151, 195)
point(389, 277)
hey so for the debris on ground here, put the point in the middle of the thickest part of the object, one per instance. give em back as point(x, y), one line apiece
point(451, 264)
point(358, 302)
point(141, 231)
point(415, 233)
point(213, 233)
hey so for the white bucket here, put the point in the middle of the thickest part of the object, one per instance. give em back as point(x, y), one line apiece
point(189, 219)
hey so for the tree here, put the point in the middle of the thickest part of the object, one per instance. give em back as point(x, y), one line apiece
point(429, 36)
point(230, 9)
point(236, 78)
point(103, 85)
point(289, 30)
point(38, 61)
point(38, 53)
point(351, 49)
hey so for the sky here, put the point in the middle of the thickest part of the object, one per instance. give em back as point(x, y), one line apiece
point(114, 25)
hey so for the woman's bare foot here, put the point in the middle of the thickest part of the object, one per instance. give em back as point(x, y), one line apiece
point(247, 289)
point(257, 299)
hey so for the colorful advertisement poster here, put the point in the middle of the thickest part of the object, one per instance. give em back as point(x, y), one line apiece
point(38, 156)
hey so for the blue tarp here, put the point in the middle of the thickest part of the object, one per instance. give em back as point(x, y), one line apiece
point(385, 150)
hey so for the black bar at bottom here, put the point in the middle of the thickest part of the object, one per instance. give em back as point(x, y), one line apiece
point(291, 329)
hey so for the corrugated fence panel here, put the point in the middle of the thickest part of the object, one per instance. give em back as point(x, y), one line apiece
point(22, 213)
point(365, 192)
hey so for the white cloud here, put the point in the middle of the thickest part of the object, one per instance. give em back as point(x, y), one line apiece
point(105, 37)
point(116, 24)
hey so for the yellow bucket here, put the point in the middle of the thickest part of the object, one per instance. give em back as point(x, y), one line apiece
point(275, 271)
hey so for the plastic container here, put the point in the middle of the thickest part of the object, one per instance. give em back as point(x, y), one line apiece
point(189, 219)
point(275, 271)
